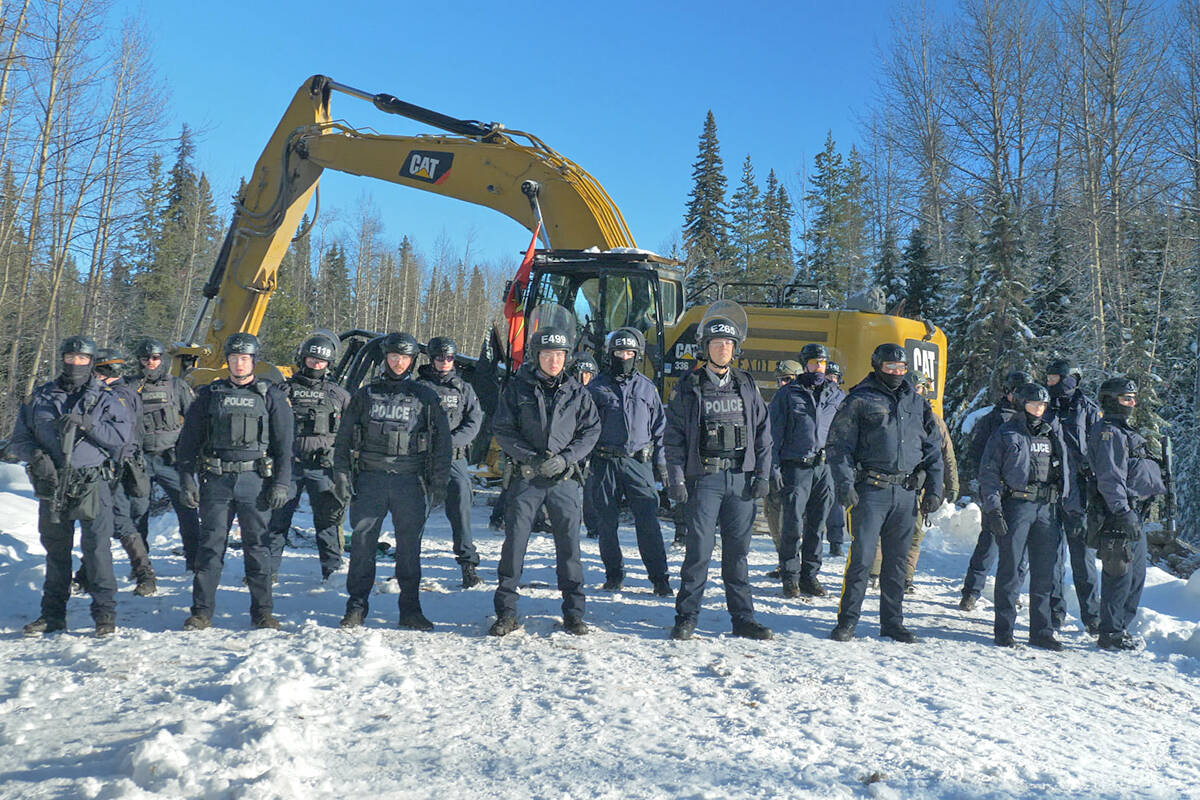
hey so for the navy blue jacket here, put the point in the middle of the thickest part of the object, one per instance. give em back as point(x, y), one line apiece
point(129, 393)
point(801, 418)
point(681, 439)
point(110, 431)
point(532, 419)
point(1125, 474)
point(631, 414)
point(281, 430)
point(1001, 413)
point(887, 431)
point(1077, 413)
point(465, 420)
point(1005, 462)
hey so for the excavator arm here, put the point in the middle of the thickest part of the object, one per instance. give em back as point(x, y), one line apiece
point(512, 172)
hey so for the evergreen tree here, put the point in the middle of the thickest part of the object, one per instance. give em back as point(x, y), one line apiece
point(837, 237)
point(777, 262)
point(888, 274)
point(333, 287)
point(921, 279)
point(747, 227)
point(705, 223)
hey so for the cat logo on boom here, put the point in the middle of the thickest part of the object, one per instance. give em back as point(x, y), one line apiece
point(427, 166)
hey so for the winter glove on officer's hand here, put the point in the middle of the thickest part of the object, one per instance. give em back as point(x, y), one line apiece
point(79, 421)
point(437, 495)
point(930, 503)
point(776, 482)
point(552, 467)
point(848, 498)
point(915, 481)
point(994, 522)
point(189, 490)
point(275, 496)
point(343, 490)
point(677, 492)
point(1128, 524)
point(758, 488)
point(41, 466)
point(660, 471)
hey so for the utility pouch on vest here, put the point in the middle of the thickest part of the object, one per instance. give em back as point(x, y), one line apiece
point(81, 499)
point(135, 478)
point(265, 467)
point(722, 437)
point(882, 480)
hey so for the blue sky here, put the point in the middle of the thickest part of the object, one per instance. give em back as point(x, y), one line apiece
point(620, 87)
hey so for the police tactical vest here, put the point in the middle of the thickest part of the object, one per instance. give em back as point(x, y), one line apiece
point(451, 399)
point(161, 422)
point(395, 425)
point(722, 419)
point(1041, 453)
point(315, 412)
point(238, 421)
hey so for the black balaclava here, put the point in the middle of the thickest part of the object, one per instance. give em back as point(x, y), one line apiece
point(621, 368)
point(1036, 425)
point(313, 375)
point(75, 376)
point(1065, 386)
point(892, 382)
point(155, 373)
point(1117, 411)
point(810, 380)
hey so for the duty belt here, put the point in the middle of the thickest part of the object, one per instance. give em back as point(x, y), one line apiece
point(372, 462)
point(218, 466)
point(805, 463)
point(461, 452)
point(882, 480)
point(1040, 493)
point(720, 464)
point(642, 455)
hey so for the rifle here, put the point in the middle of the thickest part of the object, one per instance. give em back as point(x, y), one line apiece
point(66, 475)
point(1170, 509)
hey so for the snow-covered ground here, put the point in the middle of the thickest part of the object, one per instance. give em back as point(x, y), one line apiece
point(313, 711)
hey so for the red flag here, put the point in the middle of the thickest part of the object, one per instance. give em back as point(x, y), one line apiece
point(514, 304)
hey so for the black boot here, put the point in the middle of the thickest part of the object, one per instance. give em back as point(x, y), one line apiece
point(503, 626)
point(1046, 643)
point(749, 629)
point(683, 630)
point(353, 618)
point(470, 576)
point(106, 626)
point(614, 582)
point(139, 561)
point(811, 587)
point(415, 621)
point(197, 623)
point(662, 588)
point(575, 626)
point(842, 633)
point(790, 588)
point(968, 602)
point(265, 621)
point(899, 634)
point(44, 624)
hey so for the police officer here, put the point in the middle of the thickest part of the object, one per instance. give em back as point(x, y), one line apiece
point(318, 405)
point(584, 369)
point(627, 455)
point(1126, 477)
point(718, 443)
point(235, 458)
point(1077, 414)
point(547, 424)
point(392, 455)
point(165, 402)
point(801, 413)
point(884, 447)
point(131, 485)
point(68, 433)
point(465, 417)
point(1023, 477)
point(984, 555)
point(785, 372)
point(835, 523)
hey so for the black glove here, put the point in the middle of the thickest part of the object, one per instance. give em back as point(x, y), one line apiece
point(1127, 524)
point(437, 495)
point(41, 466)
point(776, 482)
point(677, 492)
point(552, 467)
point(189, 490)
point(994, 522)
point(758, 488)
point(660, 471)
point(343, 489)
point(930, 503)
point(81, 423)
point(848, 497)
point(915, 481)
point(275, 496)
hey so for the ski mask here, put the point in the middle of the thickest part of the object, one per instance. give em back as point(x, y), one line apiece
point(155, 373)
point(621, 368)
point(892, 382)
point(1037, 425)
point(75, 376)
point(313, 375)
point(1065, 386)
point(1115, 410)
point(811, 380)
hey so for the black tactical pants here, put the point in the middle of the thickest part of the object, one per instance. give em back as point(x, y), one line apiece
point(835, 525)
point(327, 518)
point(458, 512)
point(377, 494)
point(95, 544)
point(718, 498)
point(161, 467)
point(562, 502)
point(807, 495)
point(222, 497)
point(1034, 536)
point(1083, 561)
point(1121, 594)
point(610, 480)
point(884, 517)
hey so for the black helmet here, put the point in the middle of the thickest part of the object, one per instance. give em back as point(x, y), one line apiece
point(720, 328)
point(625, 339)
point(108, 362)
point(319, 345)
point(833, 368)
point(242, 344)
point(149, 347)
point(1016, 379)
point(549, 337)
point(1031, 393)
point(814, 351)
point(1062, 367)
point(84, 345)
point(402, 343)
point(441, 346)
point(584, 363)
point(888, 351)
point(1112, 388)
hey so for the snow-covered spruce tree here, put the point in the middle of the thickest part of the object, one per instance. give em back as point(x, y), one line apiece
point(922, 278)
point(705, 222)
point(746, 224)
point(888, 275)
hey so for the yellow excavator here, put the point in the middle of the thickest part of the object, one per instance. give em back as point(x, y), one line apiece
point(590, 264)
